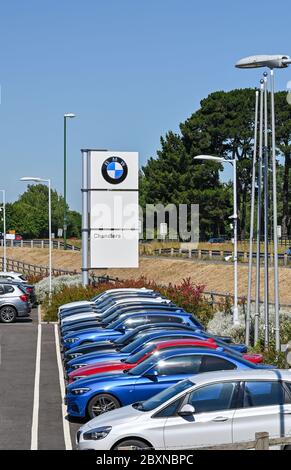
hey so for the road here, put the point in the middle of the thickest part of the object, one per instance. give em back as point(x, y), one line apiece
point(31, 413)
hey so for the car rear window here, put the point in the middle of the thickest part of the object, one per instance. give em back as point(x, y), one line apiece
point(8, 289)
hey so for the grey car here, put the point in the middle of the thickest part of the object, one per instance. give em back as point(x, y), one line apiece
point(14, 302)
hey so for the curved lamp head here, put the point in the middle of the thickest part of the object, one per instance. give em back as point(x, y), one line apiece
point(271, 61)
point(30, 178)
point(209, 157)
point(69, 115)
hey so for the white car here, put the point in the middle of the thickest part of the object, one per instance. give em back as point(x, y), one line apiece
point(106, 294)
point(208, 409)
point(125, 301)
point(12, 276)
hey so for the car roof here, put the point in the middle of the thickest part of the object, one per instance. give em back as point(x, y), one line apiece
point(125, 316)
point(241, 374)
point(185, 342)
point(184, 350)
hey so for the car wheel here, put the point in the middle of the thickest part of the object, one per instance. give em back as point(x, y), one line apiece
point(102, 403)
point(132, 444)
point(7, 314)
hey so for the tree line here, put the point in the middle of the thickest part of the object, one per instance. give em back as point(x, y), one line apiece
point(222, 126)
point(28, 215)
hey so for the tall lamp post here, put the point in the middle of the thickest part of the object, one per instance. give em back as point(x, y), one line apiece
point(4, 230)
point(36, 179)
point(234, 217)
point(66, 116)
point(271, 62)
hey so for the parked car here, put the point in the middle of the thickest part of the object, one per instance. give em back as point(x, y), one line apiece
point(102, 323)
point(96, 395)
point(140, 332)
point(108, 294)
point(13, 276)
point(114, 310)
point(14, 302)
point(117, 364)
point(120, 326)
point(288, 251)
point(109, 308)
point(213, 408)
point(28, 288)
point(216, 240)
point(147, 337)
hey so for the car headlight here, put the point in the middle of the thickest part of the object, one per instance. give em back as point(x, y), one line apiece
point(77, 366)
point(79, 391)
point(97, 433)
point(72, 356)
point(72, 340)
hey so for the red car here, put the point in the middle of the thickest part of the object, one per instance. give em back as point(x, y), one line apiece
point(131, 361)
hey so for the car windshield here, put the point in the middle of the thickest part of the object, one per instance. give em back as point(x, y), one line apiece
point(145, 365)
point(164, 396)
point(139, 341)
point(114, 324)
point(140, 354)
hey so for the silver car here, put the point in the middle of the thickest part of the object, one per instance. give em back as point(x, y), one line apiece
point(14, 302)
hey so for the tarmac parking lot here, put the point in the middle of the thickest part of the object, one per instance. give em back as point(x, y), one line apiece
point(32, 414)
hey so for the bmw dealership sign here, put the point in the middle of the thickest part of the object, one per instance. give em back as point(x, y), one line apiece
point(114, 170)
point(113, 209)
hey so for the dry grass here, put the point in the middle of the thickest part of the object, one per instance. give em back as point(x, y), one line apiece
point(215, 277)
point(67, 260)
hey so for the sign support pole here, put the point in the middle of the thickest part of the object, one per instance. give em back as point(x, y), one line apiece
point(85, 219)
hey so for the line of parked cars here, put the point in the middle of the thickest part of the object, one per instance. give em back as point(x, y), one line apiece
point(17, 296)
point(144, 373)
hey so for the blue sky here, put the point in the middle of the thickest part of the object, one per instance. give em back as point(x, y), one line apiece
point(130, 69)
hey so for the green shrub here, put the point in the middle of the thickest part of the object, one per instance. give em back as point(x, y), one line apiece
point(186, 295)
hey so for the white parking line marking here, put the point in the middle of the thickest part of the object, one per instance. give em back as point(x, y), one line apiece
point(66, 426)
point(35, 412)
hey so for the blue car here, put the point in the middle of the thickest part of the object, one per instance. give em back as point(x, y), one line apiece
point(139, 331)
point(104, 321)
point(121, 354)
point(130, 336)
point(120, 326)
point(100, 393)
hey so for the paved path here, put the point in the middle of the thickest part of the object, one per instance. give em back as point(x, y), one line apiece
point(30, 405)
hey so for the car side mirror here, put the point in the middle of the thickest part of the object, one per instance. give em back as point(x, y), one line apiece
point(152, 375)
point(187, 410)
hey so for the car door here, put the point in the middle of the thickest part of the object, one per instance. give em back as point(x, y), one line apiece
point(211, 423)
point(166, 373)
point(265, 407)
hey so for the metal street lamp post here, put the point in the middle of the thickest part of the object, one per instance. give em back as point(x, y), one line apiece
point(4, 230)
point(250, 267)
point(271, 61)
point(234, 217)
point(66, 116)
point(36, 179)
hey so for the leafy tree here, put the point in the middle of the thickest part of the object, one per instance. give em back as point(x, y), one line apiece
point(29, 214)
point(222, 126)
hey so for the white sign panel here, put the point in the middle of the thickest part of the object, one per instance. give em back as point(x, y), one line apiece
point(113, 170)
point(10, 236)
point(114, 210)
point(114, 249)
point(163, 229)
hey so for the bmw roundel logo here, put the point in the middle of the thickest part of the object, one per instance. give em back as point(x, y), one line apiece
point(114, 170)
